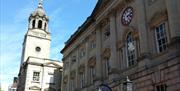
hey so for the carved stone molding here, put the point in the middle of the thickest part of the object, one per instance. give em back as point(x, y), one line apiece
point(128, 1)
point(157, 18)
point(81, 69)
point(65, 79)
point(106, 53)
point(92, 62)
point(112, 12)
point(120, 44)
point(104, 22)
point(129, 29)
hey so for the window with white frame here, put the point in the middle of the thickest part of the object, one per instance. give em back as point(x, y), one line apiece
point(82, 80)
point(82, 53)
point(107, 32)
point(131, 50)
point(161, 38)
point(92, 73)
point(93, 44)
point(161, 87)
point(36, 76)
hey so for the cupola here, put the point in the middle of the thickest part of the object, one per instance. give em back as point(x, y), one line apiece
point(38, 19)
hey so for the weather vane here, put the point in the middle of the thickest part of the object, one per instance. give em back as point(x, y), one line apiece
point(40, 3)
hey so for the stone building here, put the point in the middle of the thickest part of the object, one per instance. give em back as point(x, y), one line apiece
point(138, 39)
point(37, 71)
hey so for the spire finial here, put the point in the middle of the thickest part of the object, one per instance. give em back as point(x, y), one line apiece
point(40, 3)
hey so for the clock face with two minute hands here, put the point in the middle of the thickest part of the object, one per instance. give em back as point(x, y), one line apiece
point(127, 16)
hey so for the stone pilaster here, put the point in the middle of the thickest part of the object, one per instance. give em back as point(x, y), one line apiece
point(77, 60)
point(77, 72)
point(142, 27)
point(173, 17)
point(98, 53)
point(86, 64)
point(69, 68)
point(36, 23)
point(113, 39)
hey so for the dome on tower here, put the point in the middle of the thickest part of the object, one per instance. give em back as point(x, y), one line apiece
point(39, 11)
point(38, 19)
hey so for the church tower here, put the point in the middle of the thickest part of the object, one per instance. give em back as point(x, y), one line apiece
point(37, 39)
point(37, 71)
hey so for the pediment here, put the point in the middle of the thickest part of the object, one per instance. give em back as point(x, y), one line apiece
point(52, 64)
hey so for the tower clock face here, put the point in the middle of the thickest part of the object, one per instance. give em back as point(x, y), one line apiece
point(127, 16)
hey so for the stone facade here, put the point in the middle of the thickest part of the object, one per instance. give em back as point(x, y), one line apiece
point(37, 71)
point(139, 39)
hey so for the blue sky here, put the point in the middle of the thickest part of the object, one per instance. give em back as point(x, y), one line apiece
point(65, 17)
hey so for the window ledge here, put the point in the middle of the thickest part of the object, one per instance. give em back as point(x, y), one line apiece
point(158, 54)
point(35, 82)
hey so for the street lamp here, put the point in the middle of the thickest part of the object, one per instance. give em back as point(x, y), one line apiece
point(127, 85)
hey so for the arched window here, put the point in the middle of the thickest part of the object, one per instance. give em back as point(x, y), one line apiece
point(33, 23)
point(39, 24)
point(131, 49)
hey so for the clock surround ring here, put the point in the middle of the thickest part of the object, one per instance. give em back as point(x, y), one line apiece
point(129, 10)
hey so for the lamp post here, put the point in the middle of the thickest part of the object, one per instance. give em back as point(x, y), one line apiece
point(127, 85)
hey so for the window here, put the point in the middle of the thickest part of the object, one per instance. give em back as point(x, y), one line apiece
point(131, 49)
point(36, 76)
point(107, 32)
point(161, 38)
point(92, 72)
point(73, 60)
point(82, 80)
point(93, 44)
point(33, 23)
point(161, 87)
point(82, 53)
point(39, 24)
